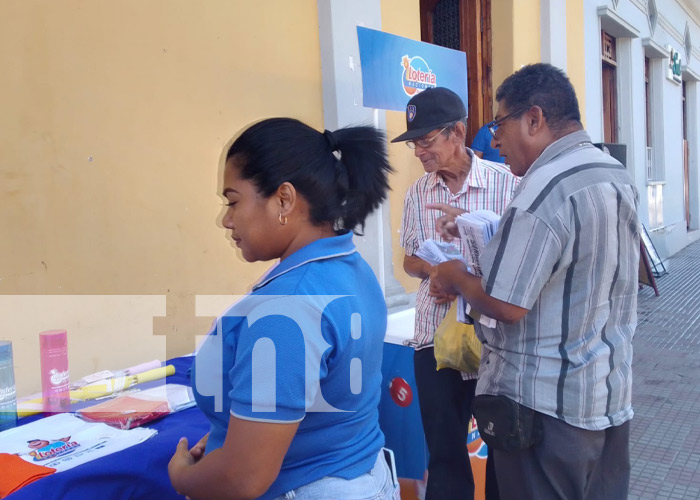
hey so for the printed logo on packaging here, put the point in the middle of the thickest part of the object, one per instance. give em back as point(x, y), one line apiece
point(475, 445)
point(59, 377)
point(44, 450)
point(416, 76)
point(7, 393)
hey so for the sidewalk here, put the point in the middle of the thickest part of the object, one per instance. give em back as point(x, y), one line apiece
point(665, 434)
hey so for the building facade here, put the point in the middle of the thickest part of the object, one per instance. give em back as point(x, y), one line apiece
point(115, 116)
point(642, 70)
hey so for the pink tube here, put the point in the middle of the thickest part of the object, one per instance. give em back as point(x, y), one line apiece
point(53, 346)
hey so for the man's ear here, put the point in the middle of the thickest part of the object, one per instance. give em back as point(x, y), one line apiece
point(460, 132)
point(535, 120)
point(286, 197)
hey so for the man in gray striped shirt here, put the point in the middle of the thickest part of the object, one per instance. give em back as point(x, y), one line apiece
point(560, 276)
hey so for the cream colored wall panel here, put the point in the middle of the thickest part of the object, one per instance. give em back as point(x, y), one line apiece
point(526, 33)
point(502, 41)
point(575, 56)
point(104, 332)
point(114, 118)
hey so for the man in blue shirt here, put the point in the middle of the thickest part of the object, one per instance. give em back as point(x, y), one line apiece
point(481, 145)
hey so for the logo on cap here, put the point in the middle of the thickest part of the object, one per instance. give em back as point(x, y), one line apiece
point(410, 112)
point(417, 75)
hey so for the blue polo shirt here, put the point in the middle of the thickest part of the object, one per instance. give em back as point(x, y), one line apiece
point(482, 143)
point(304, 346)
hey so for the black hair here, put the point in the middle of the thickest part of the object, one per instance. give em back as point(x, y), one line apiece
point(545, 86)
point(343, 175)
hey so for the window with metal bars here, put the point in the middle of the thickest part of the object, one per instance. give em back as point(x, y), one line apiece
point(446, 24)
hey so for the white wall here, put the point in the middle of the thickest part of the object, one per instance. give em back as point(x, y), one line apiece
point(594, 89)
point(667, 108)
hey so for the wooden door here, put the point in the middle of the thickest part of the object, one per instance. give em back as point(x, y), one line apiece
point(609, 77)
point(686, 184)
point(686, 160)
point(465, 25)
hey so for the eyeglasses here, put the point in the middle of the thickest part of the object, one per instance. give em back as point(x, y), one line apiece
point(493, 126)
point(424, 143)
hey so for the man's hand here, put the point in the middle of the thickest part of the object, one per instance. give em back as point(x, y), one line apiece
point(453, 277)
point(442, 298)
point(442, 278)
point(445, 225)
point(416, 267)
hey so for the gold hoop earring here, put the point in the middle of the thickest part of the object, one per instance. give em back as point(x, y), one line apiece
point(282, 219)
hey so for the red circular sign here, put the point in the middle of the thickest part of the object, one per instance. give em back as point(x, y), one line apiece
point(400, 392)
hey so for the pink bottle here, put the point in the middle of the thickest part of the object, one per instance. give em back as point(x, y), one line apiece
point(53, 345)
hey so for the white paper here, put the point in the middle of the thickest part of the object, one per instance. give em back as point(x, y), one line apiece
point(65, 441)
point(179, 396)
point(435, 252)
point(476, 229)
point(94, 377)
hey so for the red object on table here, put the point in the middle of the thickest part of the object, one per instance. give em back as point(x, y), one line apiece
point(17, 472)
point(126, 412)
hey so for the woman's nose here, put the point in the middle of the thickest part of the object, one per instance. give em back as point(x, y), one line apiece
point(227, 220)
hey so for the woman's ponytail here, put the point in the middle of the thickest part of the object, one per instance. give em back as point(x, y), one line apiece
point(363, 156)
point(343, 175)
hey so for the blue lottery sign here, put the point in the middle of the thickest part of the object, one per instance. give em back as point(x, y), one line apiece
point(395, 68)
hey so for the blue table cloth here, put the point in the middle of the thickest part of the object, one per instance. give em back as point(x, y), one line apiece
point(139, 472)
point(399, 412)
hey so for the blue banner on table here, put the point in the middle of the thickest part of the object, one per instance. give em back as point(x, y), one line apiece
point(399, 412)
point(394, 69)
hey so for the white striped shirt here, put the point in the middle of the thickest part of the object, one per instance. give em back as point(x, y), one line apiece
point(567, 249)
point(488, 186)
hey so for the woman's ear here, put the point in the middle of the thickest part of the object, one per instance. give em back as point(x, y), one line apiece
point(286, 197)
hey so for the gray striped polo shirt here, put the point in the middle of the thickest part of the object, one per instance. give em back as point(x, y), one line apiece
point(567, 249)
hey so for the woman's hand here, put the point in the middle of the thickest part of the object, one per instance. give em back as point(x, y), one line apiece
point(242, 469)
point(446, 225)
point(180, 462)
point(197, 451)
point(183, 458)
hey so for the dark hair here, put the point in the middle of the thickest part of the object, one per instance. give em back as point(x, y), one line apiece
point(341, 174)
point(545, 86)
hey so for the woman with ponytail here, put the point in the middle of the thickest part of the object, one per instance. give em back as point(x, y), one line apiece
point(299, 358)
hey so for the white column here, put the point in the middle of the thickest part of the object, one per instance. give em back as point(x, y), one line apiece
point(553, 32)
point(342, 106)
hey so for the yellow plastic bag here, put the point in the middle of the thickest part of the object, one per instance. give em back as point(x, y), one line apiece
point(456, 344)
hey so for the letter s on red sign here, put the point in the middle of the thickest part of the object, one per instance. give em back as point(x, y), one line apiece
point(401, 392)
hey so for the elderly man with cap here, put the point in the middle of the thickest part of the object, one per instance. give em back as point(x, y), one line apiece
point(455, 176)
